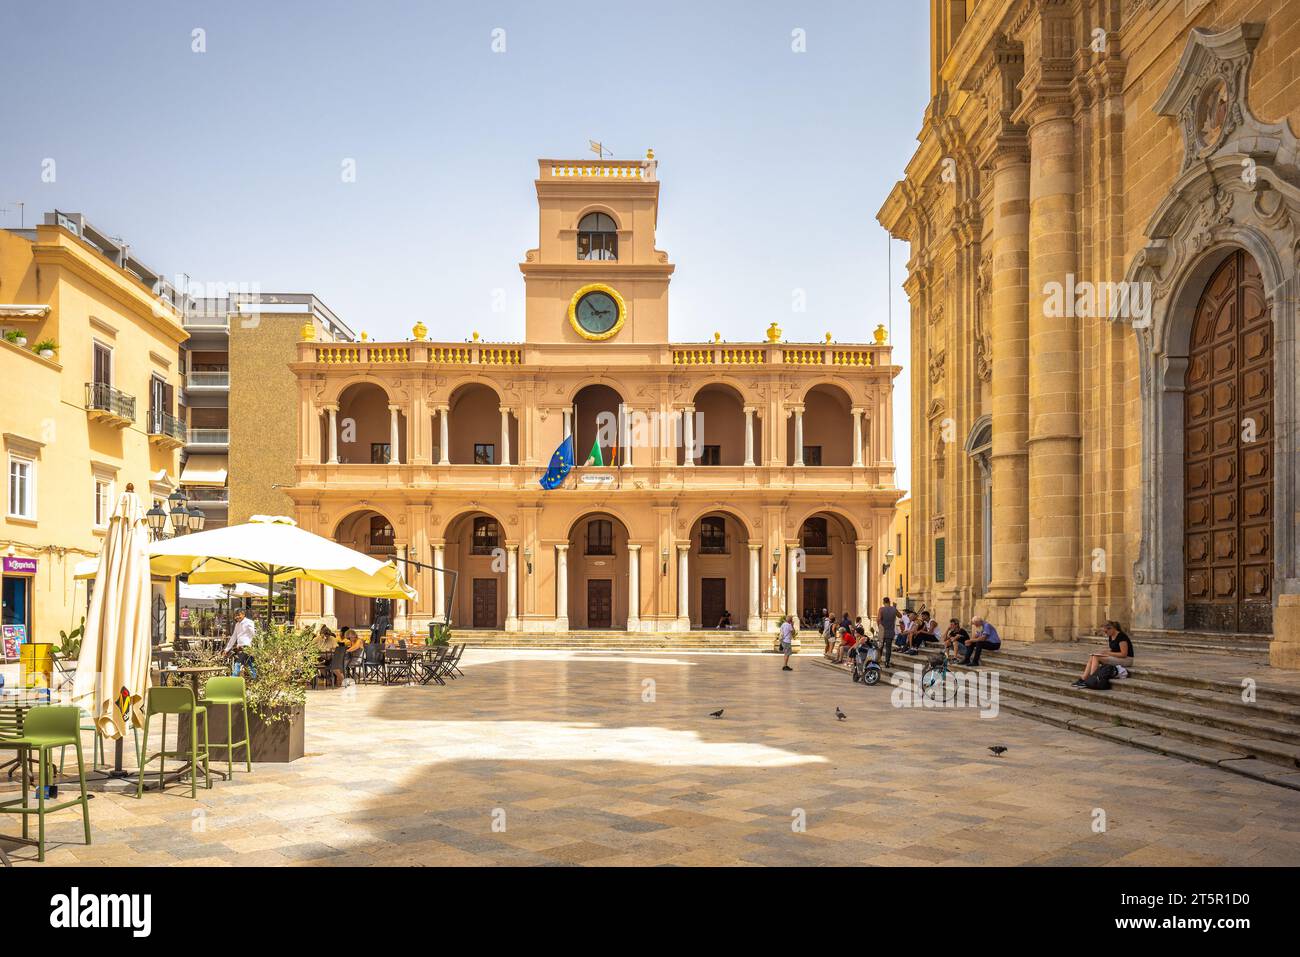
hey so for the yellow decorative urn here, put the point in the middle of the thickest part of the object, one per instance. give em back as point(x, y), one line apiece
point(420, 330)
point(774, 333)
point(308, 332)
point(365, 336)
point(828, 338)
point(881, 334)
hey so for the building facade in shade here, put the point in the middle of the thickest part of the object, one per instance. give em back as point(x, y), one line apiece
point(751, 478)
point(84, 419)
point(1104, 225)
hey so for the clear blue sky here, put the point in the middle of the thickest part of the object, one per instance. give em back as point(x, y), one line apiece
point(226, 165)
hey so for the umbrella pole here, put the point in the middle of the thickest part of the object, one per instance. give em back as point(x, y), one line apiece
point(270, 598)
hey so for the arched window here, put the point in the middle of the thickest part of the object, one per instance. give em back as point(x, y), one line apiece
point(597, 237)
point(713, 536)
point(600, 537)
point(487, 536)
point(814, 537)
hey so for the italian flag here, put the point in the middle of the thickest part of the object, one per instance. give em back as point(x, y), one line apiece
point(595, 458)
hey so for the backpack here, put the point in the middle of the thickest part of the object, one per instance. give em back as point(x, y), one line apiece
point(1099, 680)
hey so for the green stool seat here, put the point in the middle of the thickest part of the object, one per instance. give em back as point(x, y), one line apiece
point(44, 729)
point(233, 693)
point(179, 702)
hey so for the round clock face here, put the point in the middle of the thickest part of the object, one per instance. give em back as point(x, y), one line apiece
point(596, 312)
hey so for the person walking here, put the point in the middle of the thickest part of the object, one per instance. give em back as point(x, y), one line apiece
point(787, 641)
point(241, 639)
point(886, 619)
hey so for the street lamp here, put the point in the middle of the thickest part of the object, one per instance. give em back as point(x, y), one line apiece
point(889, 560)
point(182, 519)
point(528, 558)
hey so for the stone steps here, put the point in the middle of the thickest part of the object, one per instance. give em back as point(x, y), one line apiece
point(731, 641)
point(1201, 720)
point(1229, 644)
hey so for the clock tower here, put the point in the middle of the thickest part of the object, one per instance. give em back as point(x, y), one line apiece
point(595, 276)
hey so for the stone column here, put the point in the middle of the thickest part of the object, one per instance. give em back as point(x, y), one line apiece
point(333, 433)
point(444, 435)
point(633, 587)
point(327, 606)
point(1054, 487)
point(688, 434)
point(864, 581)
point(749, 436)
point(505, 436)
point(562, 587)
point(568, 423)
point(684, 587)
point(857, 437)
point(394, 436)
point(798, 435)
point(792, 579)
point(755, 622)
point(440, 585)
point(1009, 326)
point(512, 588)
point(400, 611)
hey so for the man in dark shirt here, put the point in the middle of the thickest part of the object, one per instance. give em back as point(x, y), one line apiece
point(955, 633)
point(886, 618)
point(1120, 653)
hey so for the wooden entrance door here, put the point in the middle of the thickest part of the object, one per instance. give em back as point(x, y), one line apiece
point(600, 603)
point(713, 601)
point(485, 602)
point(816, 596)
point(1228, 537)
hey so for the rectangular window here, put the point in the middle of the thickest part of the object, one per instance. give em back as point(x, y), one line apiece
point(485, 453)
point(600, 537)
point(380, 453)
point(22, 487)
point(939, 556)
point(103, 371)
point(713, 536)
point(381, 533)
point(103, 502)
point(487, 536)
point(711, 455)
point(812, 455)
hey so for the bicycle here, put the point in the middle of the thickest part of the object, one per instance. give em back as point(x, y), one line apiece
point(938, 681)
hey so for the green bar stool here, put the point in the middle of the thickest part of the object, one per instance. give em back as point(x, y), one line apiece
point(180, 702)
point(46, 728)
point(233, 693)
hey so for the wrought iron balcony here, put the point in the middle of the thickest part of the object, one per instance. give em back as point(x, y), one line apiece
point(166, 430)
point(109, 405)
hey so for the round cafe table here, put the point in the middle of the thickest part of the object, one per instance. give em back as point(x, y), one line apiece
point(194, 673)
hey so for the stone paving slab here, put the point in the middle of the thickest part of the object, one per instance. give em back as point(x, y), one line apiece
point(564, 753)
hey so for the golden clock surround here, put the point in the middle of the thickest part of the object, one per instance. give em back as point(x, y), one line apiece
point(607, 290)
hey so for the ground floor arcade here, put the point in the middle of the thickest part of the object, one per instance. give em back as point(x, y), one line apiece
point(625, 563)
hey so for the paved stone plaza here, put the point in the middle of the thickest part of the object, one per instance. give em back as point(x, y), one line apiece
point(562, 748)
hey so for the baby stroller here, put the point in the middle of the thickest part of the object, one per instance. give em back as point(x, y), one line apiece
point(866, 659)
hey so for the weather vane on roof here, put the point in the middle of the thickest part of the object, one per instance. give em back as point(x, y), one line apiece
point(598, 148)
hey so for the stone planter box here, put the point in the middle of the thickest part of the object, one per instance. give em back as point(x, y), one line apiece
point(278, 742)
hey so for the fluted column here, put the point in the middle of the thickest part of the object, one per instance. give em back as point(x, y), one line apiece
point(440, 585)
point(755, 622)
point(1054, 427)
point(688, 435)
point(749, 436)
point(505, 436)
point(857, 437)
point(562, 587)
point(333, 433)
point(798, 435)
point(394, 436)
point(444, 435)
point(1009, 304)
point(633, 587)
point(684, 587)
point(512, 588)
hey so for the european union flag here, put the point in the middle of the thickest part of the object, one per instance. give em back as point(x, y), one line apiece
point(561, 465)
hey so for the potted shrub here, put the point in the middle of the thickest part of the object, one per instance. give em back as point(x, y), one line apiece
point(46, 348)
point(17, 337)
point(439, 634)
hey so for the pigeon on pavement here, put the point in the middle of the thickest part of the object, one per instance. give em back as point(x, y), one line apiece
point(716, 714)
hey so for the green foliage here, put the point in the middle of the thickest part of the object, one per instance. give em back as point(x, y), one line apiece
point(70, 641)
point(46, 344)
point(439, 634)
point(285, 659)
point(13, 335)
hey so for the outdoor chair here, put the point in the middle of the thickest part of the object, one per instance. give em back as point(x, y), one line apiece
point(45, 728)
point(370, 669)
point(233, 693)
point(453, 661)
point(397, 667)
point(180, 702)
point(431, 665)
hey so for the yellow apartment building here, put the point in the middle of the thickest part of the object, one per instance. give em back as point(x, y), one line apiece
point(714, 480)
point(83, 418)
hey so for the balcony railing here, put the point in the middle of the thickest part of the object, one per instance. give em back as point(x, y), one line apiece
point(208, 496)
point(168, 426)
point(207, 380)
point(112, 403)
point(209, 437)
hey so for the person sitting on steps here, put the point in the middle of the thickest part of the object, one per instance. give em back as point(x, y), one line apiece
point(1120, 654)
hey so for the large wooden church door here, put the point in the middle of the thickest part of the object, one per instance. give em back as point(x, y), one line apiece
point(1228, 538)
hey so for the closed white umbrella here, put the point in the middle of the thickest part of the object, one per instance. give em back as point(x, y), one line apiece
point(113, 668)
point(271, 549)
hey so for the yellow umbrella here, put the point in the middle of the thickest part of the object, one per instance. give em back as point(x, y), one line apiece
point(271, 549)
point(113, 667)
